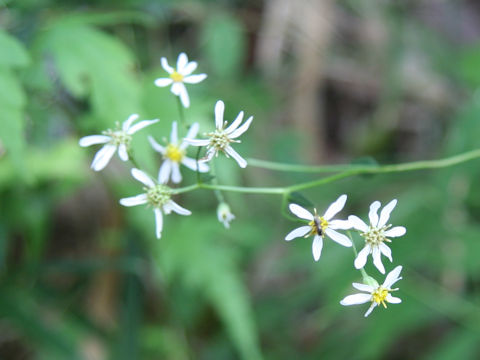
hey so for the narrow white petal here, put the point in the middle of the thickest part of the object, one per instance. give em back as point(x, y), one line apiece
point(377, 259)
point(339, 238)
point(219, 110)
point(209, 155)
point(122, 152)
point(363, 287)
point(174, 134)
point(184, 96)
point(178, 209)
point(370, 309)
point(373, 213)
point(127, 123)
point(156, 146)
point(317, 246)
point(300, 212)
point(177, 88)
point(335, 207)
point(393, 300)
point(361, 258)
point(358, 223)
point(395, 231)
point(298, 232)
point(339, 224)
point(235, 123)
point(392, 277)
point(356, 299)
point(134, 200)
point(189, 68)
point(182, 61)
point(167, 208)
point(140, 126)
point(142, 177)
point(103, 156)
point(386, 251)
point(165, 65)
point(241, 129)
point(158, 222)
point(192, 132)
point(94, 139)
point(385, 213)
point(164, 171)
point(192, 164)
point(194, 79)
point(176, 175)
point(240, 160)
point(162, 82)
point(197, 142)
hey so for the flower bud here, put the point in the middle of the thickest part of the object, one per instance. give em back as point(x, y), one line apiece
point(224, 214)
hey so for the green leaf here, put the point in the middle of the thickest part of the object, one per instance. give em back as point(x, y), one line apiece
point(11, 134)
point(12, 52)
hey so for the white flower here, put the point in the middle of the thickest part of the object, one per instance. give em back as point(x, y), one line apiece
point(319, 226)
point(224, 214)
point(174, 155)
point(156, 195)
point(376, 294)
point(114, 139)
point(180, 76)
point(221, 138)
point(376, 234)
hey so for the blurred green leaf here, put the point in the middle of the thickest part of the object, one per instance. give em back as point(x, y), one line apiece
point(12, 52)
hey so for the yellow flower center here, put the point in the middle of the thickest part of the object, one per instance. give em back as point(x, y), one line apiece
point(379, 296)
point(375, 236)
point(318, 225)
point(175, 76)
point(174, 153)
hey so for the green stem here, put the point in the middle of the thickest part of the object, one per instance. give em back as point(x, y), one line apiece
point(132, 159)
point(181, 113)
point(217, 192)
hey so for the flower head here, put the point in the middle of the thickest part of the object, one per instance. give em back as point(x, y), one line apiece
point(174, 154)
point(376, 234)
point(224, 214)
point(223, 136)
point(179, 76)
point(319, 226)
point(375, 293)
point(158, 196)
point(120, 139)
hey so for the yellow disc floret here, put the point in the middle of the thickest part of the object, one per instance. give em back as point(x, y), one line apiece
point(176, 77)
point(375, 236)
point(318, 225)
point(158, 195)
point(379, 296)
point(174, 153)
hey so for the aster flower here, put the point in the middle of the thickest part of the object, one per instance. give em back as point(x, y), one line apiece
point(224, 214)
point(221, 138)
point(375, 293)
point(158, 196)
point(180, 76)
point(118, 139)
point(174, 155)
point(319, 226)
point(376, 234)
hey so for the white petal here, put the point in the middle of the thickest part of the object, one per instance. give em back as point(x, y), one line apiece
point(192, 164)
point(356, 299)
point(176, 176)
point(134, 200)
point(178, 209)
point(377, 259)
point(165, 65)
point(174, 134)
point(235, 123)
point(164, 172)
point(189, 68)
point(197, 142)
point(298, 232)
point(194, 79)
point(94, 139)
point(142, 177)
point(393, 300)
point(177, 88)
point(162, 82)
point(219, 110)
point(361, 258)
point(127, 123)
point(103, 156)
point(192, 132)
point(395, 231)
point(300, 212)
point(392, 277)
point(317, 246)
point(370, 309)
point(358, 223)
point(156, 146)
point(240, 160)
point(335, 207)
point(158, 222)
point(140, 126)
point(241, 129)
point(209, 155)
point(122, 152)
point(339, 224)
point(385, 250)
point(373, 213)
point(385, 213)
point(184, 96)
point(363, 287)
point(182, 61)
point(339, 238)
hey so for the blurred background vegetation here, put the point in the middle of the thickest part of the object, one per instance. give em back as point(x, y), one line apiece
point(328, 82)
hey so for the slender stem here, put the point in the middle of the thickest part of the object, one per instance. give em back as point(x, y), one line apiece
point(132, 159)
point(217, 192)
point(181, 113)
point(270, 165)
